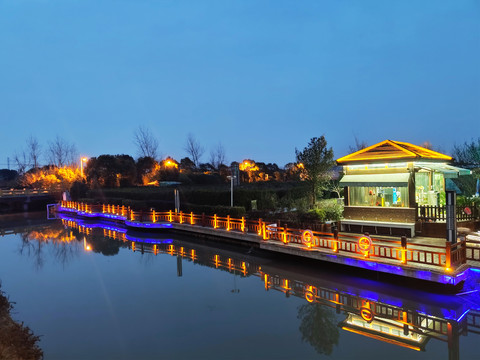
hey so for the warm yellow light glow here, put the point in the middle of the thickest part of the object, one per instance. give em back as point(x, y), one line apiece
point(308, 238)
point(309, 296)
point(392, 150)
point(248, 165)
point(169, 163)
point(366, 314)
point(86, 246)
point(376, 337)
point(365, 244)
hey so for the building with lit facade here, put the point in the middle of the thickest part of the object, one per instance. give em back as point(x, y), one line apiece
point(392, 186)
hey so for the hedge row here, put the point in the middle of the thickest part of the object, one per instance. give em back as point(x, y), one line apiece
point(268, 198)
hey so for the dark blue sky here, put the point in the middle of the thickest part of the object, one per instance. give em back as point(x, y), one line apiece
point(262, 77)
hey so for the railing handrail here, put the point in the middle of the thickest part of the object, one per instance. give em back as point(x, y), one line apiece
point(448, 256)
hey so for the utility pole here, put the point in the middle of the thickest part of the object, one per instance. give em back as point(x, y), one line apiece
point(231, 188)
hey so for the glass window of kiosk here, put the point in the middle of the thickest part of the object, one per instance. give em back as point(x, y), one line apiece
point(379, 196)
point(429, 188)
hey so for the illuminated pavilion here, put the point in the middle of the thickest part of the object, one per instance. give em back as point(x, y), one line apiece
point(390, 186)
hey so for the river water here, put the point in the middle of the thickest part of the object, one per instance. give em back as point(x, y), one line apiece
point(93, 290)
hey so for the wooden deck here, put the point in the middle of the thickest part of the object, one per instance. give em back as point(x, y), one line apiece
point(432, 260)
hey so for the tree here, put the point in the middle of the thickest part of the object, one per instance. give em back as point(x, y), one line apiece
point(318, 327)
point(61, 153)
point(186, 164)
point(468, 155)
point(194, 149)
point(146, 167)
point(111, 170)
point(317, 160)
point(147, 145)
point(359, 145)
point(21, 162)
point(28, 158)
point(217, 156)
point(34, 151)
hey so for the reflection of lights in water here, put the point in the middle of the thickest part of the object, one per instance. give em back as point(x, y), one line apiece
point(86, 246)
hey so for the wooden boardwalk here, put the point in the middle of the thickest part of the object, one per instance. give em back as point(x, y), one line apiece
point(432, 260)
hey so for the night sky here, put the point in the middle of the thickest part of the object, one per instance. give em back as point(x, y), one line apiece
point(262, 77)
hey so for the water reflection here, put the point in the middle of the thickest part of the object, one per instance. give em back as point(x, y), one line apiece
point(390, 314)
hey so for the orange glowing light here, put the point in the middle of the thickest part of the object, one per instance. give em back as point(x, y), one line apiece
point(309, 296)
point(308, 238)
point(86, 246)
point(170, 163)
point(248, 165)
point(392, 150)
point(366, 314)
point(365, 243)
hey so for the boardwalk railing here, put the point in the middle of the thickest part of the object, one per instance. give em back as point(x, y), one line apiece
point(22, 192)
point(445, 257)
point(439, 213)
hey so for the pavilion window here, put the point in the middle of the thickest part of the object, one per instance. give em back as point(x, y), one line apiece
point(430, 188)
point(383, 196)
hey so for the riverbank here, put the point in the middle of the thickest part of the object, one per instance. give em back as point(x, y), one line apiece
point(17, 341)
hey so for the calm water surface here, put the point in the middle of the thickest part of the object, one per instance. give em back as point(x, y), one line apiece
point(96, 291)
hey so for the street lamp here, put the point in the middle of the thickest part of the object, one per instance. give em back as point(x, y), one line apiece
point(233, 177)
point(82, 160)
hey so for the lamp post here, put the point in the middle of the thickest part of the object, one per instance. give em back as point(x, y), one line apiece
point(231, 188)
point(82, 160)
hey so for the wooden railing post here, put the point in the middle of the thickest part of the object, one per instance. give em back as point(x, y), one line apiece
point(335, 242)
point(448, 256)
point(404, 249)
point(260, 226)
point(191, 218)
point(203, 219)
point(243, 228)
point(228, 222)
point(285, 241)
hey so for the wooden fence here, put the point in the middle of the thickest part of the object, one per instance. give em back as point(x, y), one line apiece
point(439, 213)
point(446, 257)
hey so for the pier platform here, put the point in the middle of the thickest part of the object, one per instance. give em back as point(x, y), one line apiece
point(424, 259)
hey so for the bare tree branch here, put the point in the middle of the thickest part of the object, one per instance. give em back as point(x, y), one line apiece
point(21, 162)
point(359, 145)
point(34, 151)
point(217, 156)
point(146, 144)
point(61, 153)
point(194, 149)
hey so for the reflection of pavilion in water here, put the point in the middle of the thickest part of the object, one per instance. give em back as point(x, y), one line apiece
point(389, 318)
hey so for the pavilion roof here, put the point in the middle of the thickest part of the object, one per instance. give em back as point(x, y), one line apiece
point(389, 150)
